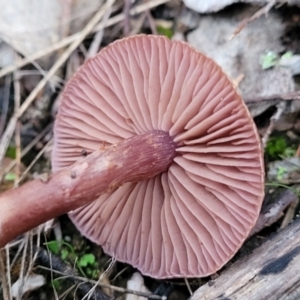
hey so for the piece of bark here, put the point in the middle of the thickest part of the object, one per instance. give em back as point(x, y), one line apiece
point(274, 211)
point(270, 272)
point(134, 159)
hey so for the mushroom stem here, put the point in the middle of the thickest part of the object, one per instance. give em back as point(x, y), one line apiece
point(134, 159)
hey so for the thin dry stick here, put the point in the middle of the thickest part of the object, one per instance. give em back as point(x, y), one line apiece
point(22, 269)
point(55, 263)
point(5, 288)
point(7, 135)
point(18, 154)
point(111, 287)
point(119, 273)
point(274, 211)
point(151, 22)
point(138, 24)
point(290, 214)
point(51, 271)
point(286, 97)
point(17, 95)
point(68, 40)
point(90, 293)
point(95, 45)
point(34, 161)
point(257, 15)
point(126, 11)
point(188, 286)
point(62, 59)
point(67, 292)
point(8, 269)
point(28, 239)
point(32, 256)
point(5, 103)
point(27, 149)
point(20, 243)
point(280, 109)
point(76, 39)
point(55, 80)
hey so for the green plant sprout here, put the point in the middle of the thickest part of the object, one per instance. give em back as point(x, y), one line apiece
point(56, 284)
point(11, 152)
point(277, 184)
point(281, 171)
point(10, 176)
point(87, 259)
point(277, 147)
point(66, 251)
point(168, 32)
point(271, 59)
point(268, 60)
point(287, 54)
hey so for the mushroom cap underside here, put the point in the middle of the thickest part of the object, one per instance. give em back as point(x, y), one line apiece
point(190, 220)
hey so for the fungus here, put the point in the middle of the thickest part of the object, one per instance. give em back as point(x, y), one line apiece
point(189, 220)
point(157, 158)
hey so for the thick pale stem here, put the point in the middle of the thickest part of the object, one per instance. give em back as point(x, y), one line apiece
point(134, 159)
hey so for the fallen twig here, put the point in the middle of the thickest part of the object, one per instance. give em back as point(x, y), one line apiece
point(26, 150)
point(274, 211)
point(4, 283)
point(257, 15)
point(62, 268)
point(68, 40)
point(22, 275)
point(278, 97)
point(5, 103)
point(56, 265)
point(17, 96)
point(4, 141)
point(95, 44)
point(270, 272)
point(126, 11)
point(33, 162)
point(151, 22)
point(276, 116)
point(290, 214)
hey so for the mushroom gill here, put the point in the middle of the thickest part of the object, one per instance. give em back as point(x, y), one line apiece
point(192, 218)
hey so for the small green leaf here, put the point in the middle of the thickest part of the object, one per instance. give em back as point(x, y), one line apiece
point(89, 271)
point(168, 32)
point(56, 283)
point(268, 60)
point(11, 152)
point(53, 246)
point(64, 254)
point(288, 54)
point(278, 184)
point(86, 259)
point(10, 177)
point(281, 171)
point(276, 146)
point(289, 152)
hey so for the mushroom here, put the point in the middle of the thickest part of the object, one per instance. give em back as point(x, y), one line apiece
point(193, 216)
point(174, 179)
